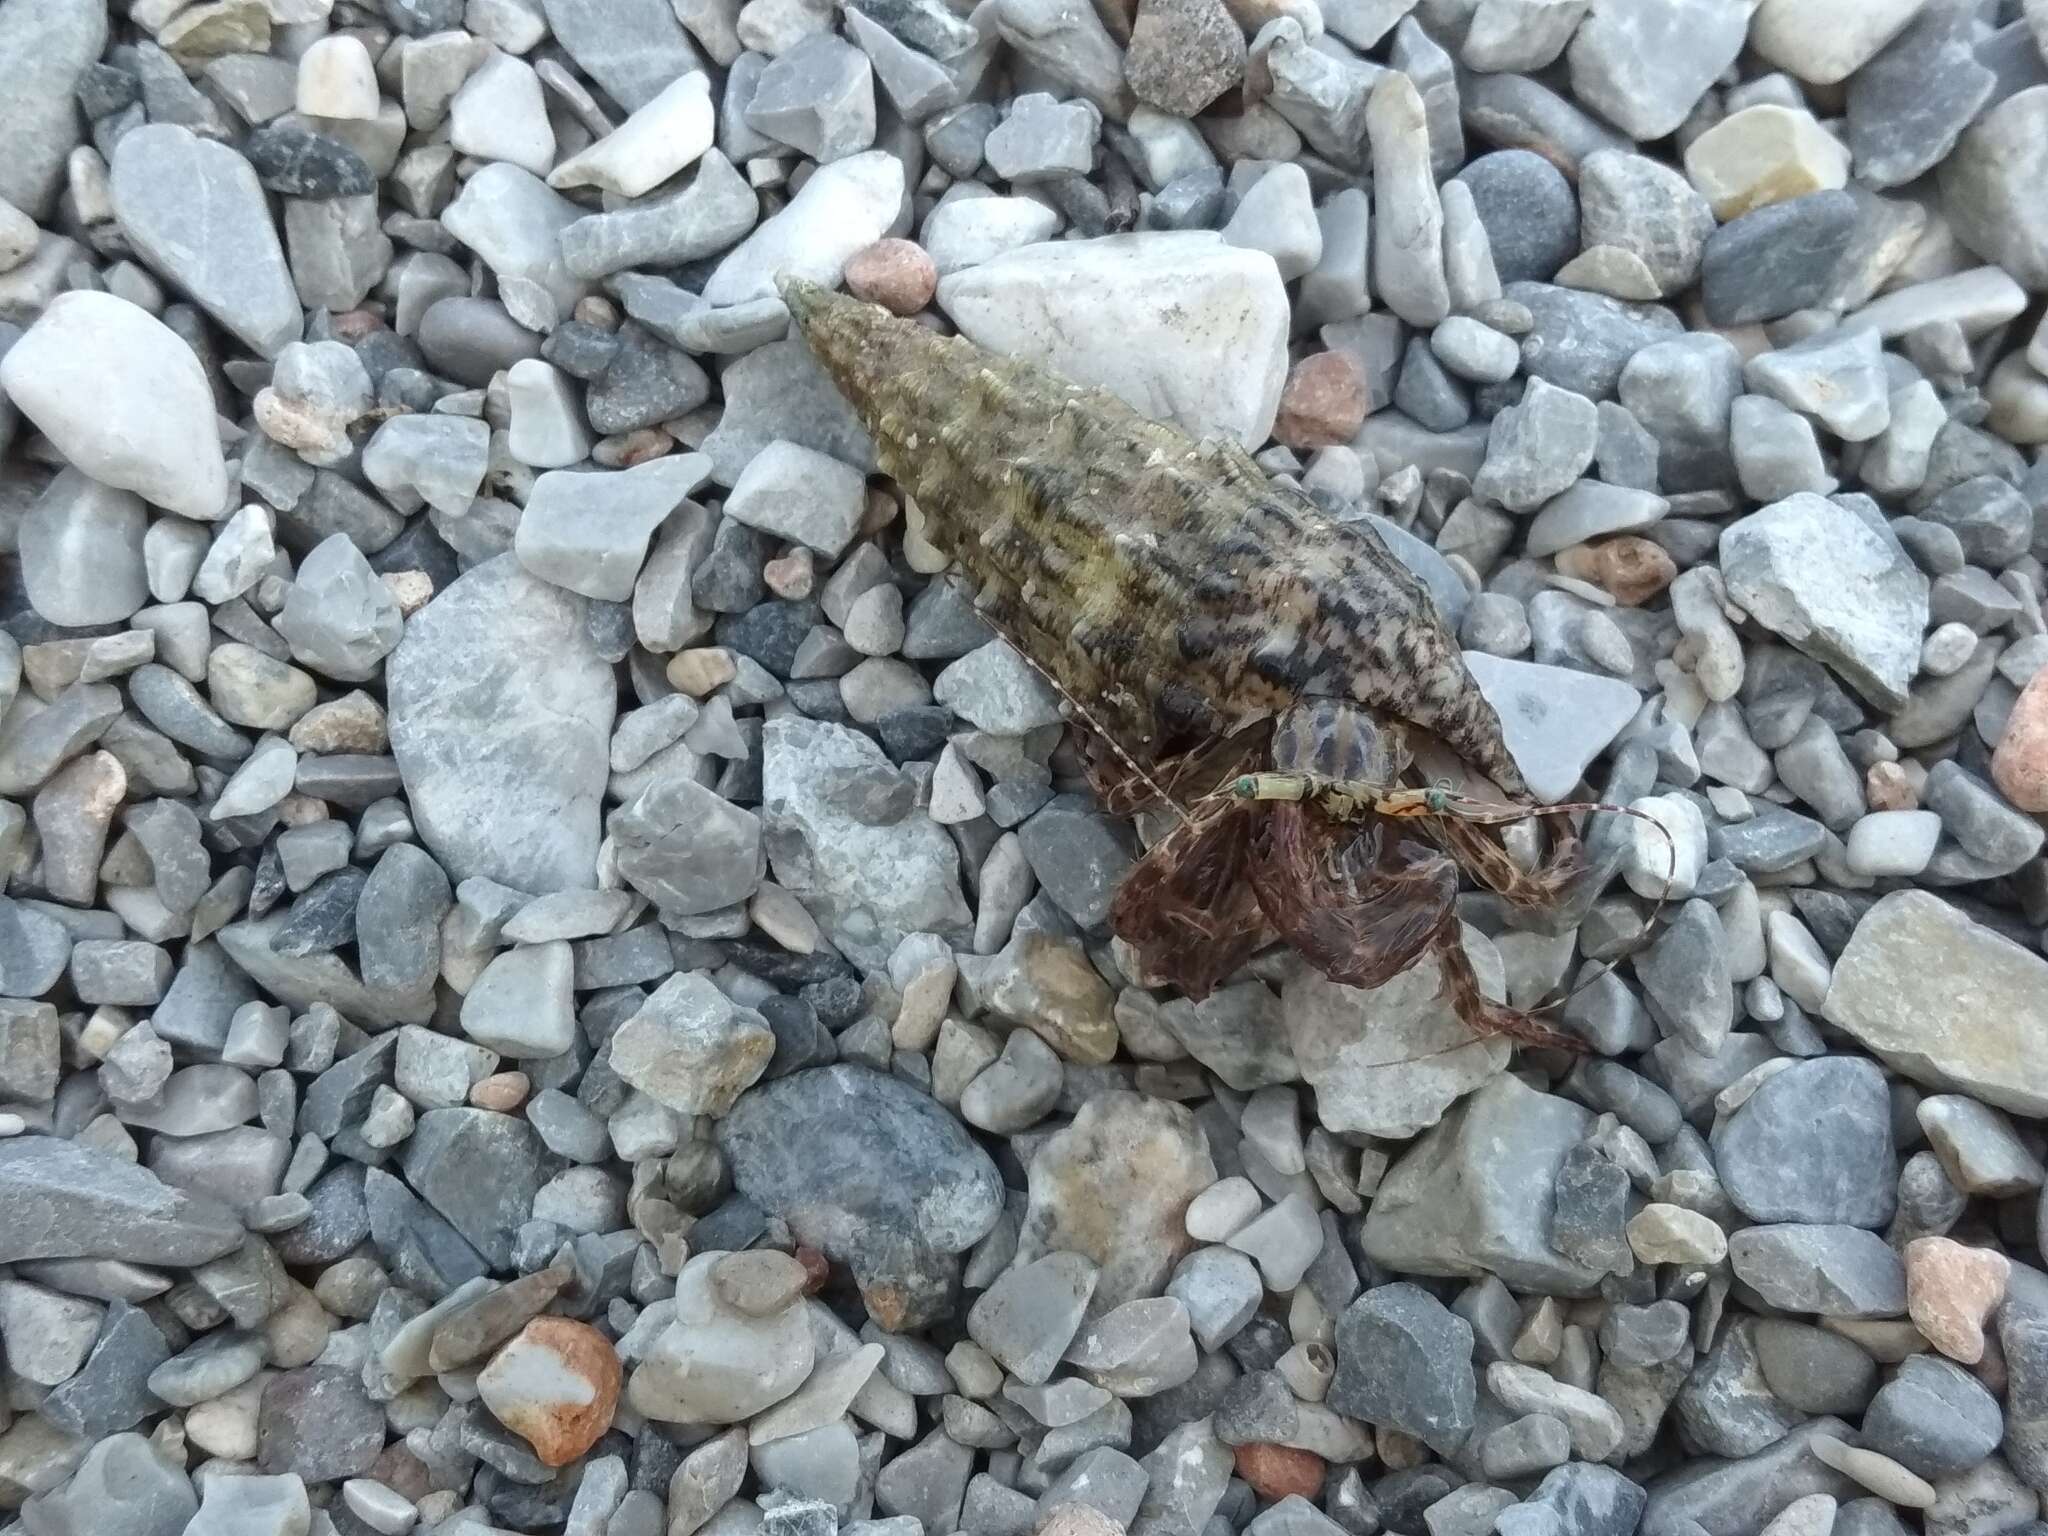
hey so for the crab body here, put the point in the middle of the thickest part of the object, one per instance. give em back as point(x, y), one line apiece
point(1189, 609)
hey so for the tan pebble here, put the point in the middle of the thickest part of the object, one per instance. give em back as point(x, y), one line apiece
point(2020, 765)
point(1670, 1234)
point(896, 274)
point(502, 1091)
point(703, 671)
point(791, 576)
point(1884, 1477)
point(1399, 1451)
point(555, 1385)
point(599, 311)
point(1887, 1340)
point(302, 810)
point(1629, 569)
point(1950, 1290)
point(1078, 1520)
point(411, 590)
point(355, 324)
point(1322, 403)
point(1888, 787)
point(1275, 1471)
point(759, 1282)
point(626, 449)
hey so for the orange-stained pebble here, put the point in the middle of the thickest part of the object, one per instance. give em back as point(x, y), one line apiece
point(1275, 1471)
point(555, 1384)
point(896, 274)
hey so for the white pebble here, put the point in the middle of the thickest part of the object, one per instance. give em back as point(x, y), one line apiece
point(337, 79)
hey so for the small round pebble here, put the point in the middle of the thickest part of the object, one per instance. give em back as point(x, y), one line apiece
point(897, 274)
point(1280, 1471)
point(1322, 403)
point(1670, 1234)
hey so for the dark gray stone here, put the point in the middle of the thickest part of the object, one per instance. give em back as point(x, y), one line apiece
point(1813, 1144)
point(481, 1171)
point(1933, 1417)
point(1777, 259)
point(1581, 341)
point(422, 1251)
point(1907, 106)
point(1589, 1210)
point(1404, 1360)
point(319, 1424)
point(1530, 212)
point(871, 1172)
point(110, 1392)
point(298, 162)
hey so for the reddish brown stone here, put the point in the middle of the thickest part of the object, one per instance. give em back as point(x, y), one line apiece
point(895, 274)
point(2020, 765)
point(1950, 1290)
point(817, 1269)
point(1275, 1471)
point(1323, 403)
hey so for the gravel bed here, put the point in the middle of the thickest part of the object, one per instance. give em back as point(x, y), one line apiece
point(554, 974)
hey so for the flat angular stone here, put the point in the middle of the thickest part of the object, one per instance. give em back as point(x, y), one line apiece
point(110, 1392)
point(1469, 1198)
point(844, 207)
point(317, 1424)
point(1899, 988)
point(1861, 609)
point(687, 849)
point(632, 48)
point(514, 221)
point(1556, 720)
point(481, 1171)
point(500, 711)
point(195, 211)
point(867, 885)
point(589, 531)
point(59, 1200)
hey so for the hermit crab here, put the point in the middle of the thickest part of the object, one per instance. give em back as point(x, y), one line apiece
point(1274, 678)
